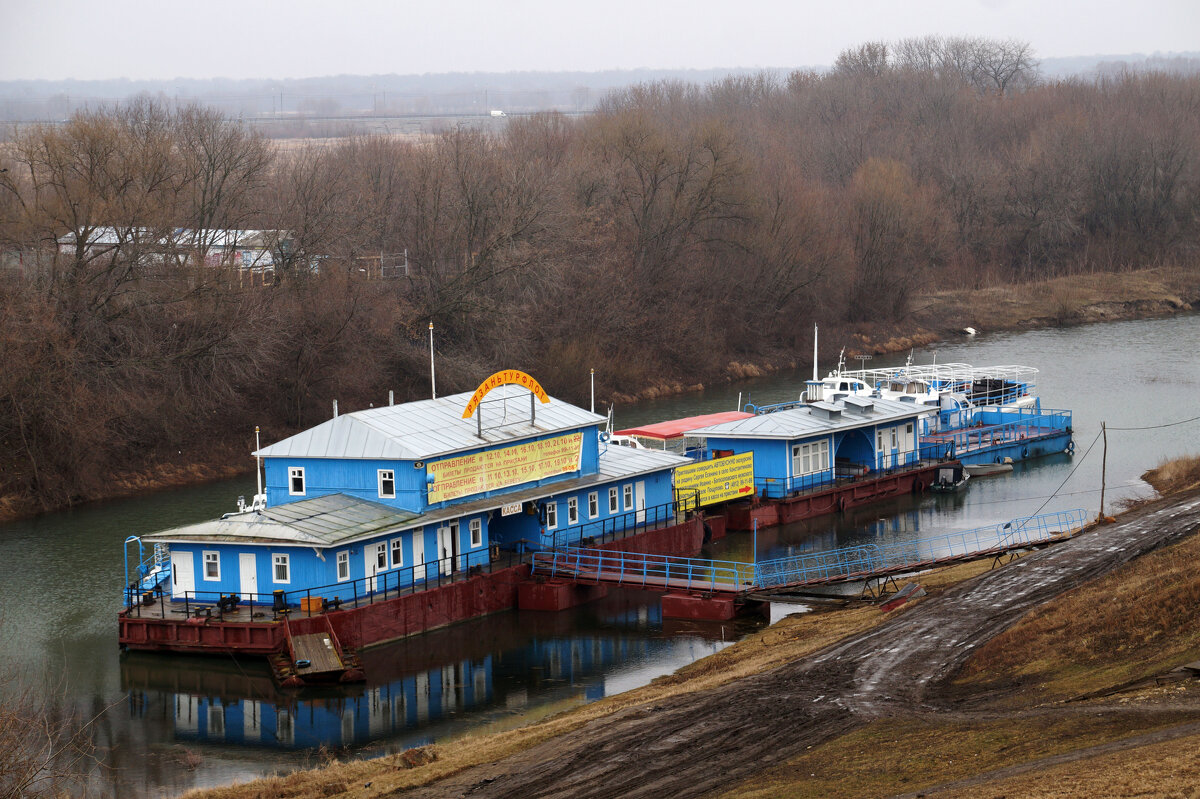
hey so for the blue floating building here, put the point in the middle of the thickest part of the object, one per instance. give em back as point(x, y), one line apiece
point(393, 496)
point(806, 446)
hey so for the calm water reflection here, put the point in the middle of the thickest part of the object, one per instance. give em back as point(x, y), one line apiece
point(174, 723)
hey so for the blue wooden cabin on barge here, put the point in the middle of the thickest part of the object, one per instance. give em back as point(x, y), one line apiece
point(806, 446)
point(399, 495)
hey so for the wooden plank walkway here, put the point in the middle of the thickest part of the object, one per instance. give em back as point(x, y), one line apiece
point(318, 649)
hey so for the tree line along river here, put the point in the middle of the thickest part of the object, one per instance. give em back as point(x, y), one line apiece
point(167, 724)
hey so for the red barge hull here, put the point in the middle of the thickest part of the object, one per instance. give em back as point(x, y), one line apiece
point(382, 621)
point(838, 497)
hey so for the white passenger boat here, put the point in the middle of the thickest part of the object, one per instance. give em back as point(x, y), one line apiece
point(1006, 385)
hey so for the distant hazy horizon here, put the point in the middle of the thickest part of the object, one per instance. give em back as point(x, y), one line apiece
point(269, 39)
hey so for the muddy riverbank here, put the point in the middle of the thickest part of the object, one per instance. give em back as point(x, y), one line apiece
point(822, 694)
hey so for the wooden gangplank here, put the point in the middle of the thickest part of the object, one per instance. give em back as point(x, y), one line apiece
point(320, 652)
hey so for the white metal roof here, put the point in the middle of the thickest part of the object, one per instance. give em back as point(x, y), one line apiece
point(620, 462)
point(429, 428)
point(802, 421)
point(319, 522)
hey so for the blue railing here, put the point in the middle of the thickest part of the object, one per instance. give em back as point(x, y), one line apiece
point(637, 569)
point(1044, 417)
point(877, 558)
point(149, 571)
point(665, 571)
point(350, 593)
point(1006, 427)
point(624, 524)
point(846, 473)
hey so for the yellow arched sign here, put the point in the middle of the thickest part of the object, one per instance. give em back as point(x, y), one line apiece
point(502, 378)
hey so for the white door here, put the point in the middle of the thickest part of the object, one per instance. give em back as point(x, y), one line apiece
point(183, 574)
point(373, 555)
point(639, 500)
point(247, 575)
point(418, 558)
point(447, 547)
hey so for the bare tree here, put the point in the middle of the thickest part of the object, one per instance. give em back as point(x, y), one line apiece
point(46, 747)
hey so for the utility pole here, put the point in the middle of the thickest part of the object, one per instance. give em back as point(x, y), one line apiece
point(432, 374)
point(1103, 466)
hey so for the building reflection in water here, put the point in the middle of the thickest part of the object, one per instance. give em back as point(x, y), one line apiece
point(490, 670)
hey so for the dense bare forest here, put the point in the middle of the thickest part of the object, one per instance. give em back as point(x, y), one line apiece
point(676, 230)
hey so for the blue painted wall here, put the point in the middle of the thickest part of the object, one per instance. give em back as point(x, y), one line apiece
point(360, 478)
point(772, 457)
point(658, 495)
point(308, 571)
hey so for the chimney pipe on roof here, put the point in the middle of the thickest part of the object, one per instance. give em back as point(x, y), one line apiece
point(391, 398)
point(335, 409)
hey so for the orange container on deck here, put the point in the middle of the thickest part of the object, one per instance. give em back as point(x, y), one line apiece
point(312, 604)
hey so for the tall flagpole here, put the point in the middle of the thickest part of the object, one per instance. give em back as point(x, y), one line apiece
point(432, 374)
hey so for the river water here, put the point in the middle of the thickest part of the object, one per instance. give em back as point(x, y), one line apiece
point(167, 724)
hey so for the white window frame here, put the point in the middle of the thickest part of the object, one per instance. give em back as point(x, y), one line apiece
point(293, 473)
point(397, 550)
point(627, 495)
point(551, 515)
point(593, 505)
point(390, 476)
point(572, 511)
point(281, 559)
point(211, 556)
point(381, 554)
point(810, 458)
point(343, 566)
point(476, 527)
point(614, 501)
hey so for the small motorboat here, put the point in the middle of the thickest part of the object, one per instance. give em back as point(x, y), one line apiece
point(950, 479)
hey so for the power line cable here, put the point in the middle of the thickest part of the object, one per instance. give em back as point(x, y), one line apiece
point(1079, 463)
point(1157, 426)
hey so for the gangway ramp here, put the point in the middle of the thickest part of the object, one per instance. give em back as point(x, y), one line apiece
point(639, 570)
point(669, 573)
point(880, 560)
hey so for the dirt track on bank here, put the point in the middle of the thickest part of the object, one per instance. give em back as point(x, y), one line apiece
point(671, 748)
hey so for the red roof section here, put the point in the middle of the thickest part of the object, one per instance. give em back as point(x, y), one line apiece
point(677, 427)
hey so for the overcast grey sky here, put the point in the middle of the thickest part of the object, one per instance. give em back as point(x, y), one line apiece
point(165, 39)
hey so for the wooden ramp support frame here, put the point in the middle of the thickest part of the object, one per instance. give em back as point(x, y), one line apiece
point(314, 658)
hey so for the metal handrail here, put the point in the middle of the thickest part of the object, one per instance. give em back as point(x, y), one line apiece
point(639, 569)
point(625, 523)
point(643, 570)
point(1002, 433)
point(387, 584)
point(873, 558)
point(902, 461)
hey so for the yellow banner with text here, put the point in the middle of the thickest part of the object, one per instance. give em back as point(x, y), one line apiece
point(501, 468)
point(718, 480)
